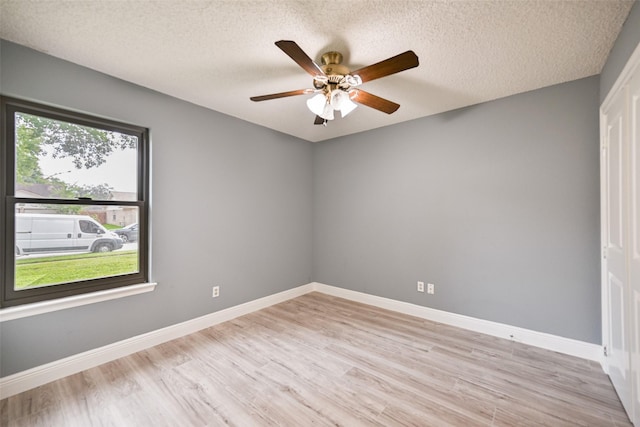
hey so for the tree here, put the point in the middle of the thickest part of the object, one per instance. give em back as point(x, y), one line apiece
point(96, 192)
point(87, 147)
point(28, 151)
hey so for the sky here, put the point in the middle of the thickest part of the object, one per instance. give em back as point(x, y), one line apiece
point(119, 171)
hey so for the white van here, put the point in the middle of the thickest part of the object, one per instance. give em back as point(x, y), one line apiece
point(36, 233)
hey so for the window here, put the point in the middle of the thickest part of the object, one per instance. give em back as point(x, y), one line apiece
point(69, 186)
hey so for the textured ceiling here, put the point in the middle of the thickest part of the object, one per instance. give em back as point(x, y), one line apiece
point(219, 53)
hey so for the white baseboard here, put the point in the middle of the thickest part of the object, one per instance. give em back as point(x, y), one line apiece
point(538, 339)
point(39, 375)
point(35, 377)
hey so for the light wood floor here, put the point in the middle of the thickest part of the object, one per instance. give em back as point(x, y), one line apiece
point(320, 360)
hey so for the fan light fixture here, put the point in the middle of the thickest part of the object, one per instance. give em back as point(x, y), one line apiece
point(324, 104)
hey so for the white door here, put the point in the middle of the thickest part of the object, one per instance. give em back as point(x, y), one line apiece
point(615, 240)
point(634, 237)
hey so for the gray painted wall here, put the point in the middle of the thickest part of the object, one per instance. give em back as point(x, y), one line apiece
point(231, 206)
point(624, 46)
point(497, 204)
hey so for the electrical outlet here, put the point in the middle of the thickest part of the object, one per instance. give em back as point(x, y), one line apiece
point(216, 292)
point(420, 286)
point(431, 288)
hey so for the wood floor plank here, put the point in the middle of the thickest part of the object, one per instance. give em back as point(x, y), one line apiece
point(325, 361)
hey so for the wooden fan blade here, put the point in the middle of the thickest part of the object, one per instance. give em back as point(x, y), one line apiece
point(281, 95)
point(373, 101)
point(393, 65)
point(319, 121)
point(294, 51)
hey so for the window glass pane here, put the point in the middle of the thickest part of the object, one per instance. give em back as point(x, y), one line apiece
point(62, 244)
point(61, 160)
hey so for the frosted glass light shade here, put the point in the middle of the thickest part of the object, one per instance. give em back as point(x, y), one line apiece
point(340, 101)
point(347, 107)
point(317, 104)
point(320, 107)
point(327, 113)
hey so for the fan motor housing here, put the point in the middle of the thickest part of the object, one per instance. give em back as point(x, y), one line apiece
point(332, 64)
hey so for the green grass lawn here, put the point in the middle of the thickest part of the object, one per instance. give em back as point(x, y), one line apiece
point(34, 272)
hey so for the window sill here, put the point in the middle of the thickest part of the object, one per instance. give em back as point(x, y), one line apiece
point(26, 310)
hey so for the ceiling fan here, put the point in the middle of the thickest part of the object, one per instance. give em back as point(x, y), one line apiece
point(336, 87)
